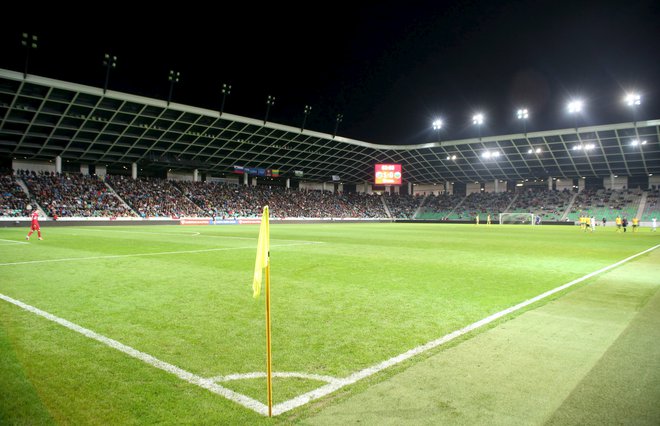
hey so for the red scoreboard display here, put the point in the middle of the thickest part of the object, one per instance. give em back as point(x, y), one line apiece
point(388, 174)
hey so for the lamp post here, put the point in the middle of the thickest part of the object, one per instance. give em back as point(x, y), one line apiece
point(523, 115)
point(575, 107)
point(340, 118)
point(478, 120)
point(633, 100)
point(226, 90)
point(306, 112)
point(173, 78)
point(29, 42)
point(270, 101)
point(437, 126)
point(109, 61)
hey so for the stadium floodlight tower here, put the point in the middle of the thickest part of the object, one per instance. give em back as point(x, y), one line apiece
point(633, 100)
point(523, 115)
point(29, 42)
point(306, 112)
point(173, 78)
point(574, 108)
point(340, 118)
point(437, 126)
point(478, 120)
point(226, 90)
point(109, 62)
point(270, 101)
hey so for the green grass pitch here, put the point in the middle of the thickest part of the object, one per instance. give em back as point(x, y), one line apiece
point(345, 297)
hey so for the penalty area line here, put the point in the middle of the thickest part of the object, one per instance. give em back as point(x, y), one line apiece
point(369, 371)
point(193, 234)
point(7, 242)
point(162, 253)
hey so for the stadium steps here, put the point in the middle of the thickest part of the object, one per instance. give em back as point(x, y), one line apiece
point(32, 200)
point(387, 209)
point(513, 200)
point(120, 199)
point(642, 204)
point(569, 207)
point(22, 185)
point(419, 209)
point(452, 211)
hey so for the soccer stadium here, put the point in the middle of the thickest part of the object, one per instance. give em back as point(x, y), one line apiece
point(494, 279)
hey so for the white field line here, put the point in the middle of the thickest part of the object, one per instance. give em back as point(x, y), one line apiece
point(155, 362)
point(261, 375)
point(120, 256)
point(178, 234)
point(186, 234)
point(7, 242)
point(331, 387)
point(334, 384)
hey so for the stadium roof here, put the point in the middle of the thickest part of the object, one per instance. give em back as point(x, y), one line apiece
point(41, 118)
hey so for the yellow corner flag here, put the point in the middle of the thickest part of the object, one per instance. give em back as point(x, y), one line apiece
point(263, 263)
point(263, 249)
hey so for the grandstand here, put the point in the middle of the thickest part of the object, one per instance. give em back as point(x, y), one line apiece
point(352, 300)
point(54, 126)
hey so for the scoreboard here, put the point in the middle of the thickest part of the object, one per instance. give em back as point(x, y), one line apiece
point(387, 174)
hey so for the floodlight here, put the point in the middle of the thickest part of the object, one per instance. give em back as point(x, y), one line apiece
point(522, 114)
point(478, 119)
point(575, 106)
point(437, 124)
point(633, 99)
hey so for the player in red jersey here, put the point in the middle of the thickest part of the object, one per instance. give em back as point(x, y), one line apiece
point(35, 225)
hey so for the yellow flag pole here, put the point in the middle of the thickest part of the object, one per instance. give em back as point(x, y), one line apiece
point(269, 371)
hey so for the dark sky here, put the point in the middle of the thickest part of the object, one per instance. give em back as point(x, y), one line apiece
point(388, 67)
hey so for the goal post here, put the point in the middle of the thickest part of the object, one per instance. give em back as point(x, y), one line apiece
point(517, 219)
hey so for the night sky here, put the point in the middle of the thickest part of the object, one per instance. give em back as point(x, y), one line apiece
point(389, 67)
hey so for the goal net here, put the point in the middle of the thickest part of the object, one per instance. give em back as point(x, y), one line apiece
point(517, 219)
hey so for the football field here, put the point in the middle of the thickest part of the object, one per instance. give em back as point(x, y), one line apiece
point(157, 324)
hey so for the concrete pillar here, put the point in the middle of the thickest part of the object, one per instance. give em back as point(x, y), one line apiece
point(245, 179)
point(134, 170)
point(58, 164)
point(497, 186)
point(254, 181)
point(195, 175)
point(288, 183)
point(410, 188)
point(550, 183)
